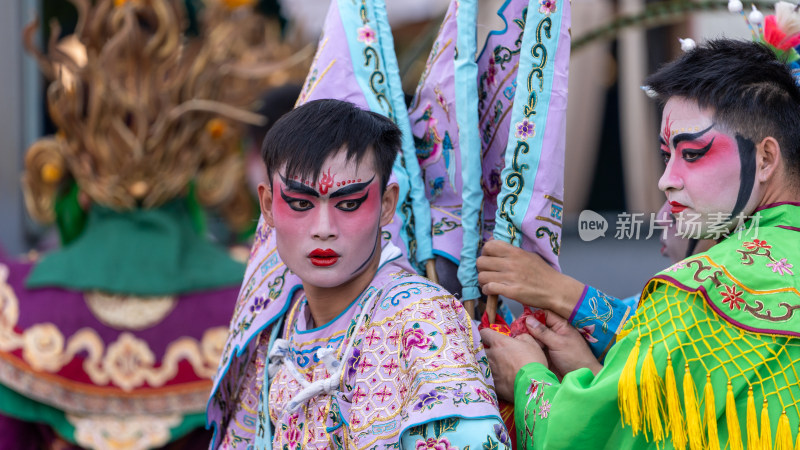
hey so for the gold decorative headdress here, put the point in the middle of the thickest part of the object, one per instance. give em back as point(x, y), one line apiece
point(149, 109)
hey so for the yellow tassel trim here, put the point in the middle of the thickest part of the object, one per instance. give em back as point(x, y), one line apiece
point(734, 429)
point(797, 442)
point(628, 392)
point(783, 437)
point(710, 415)
point(752, 422)
point(694, 427)
point(652, 393)
point(765, 438)
point(674, 413)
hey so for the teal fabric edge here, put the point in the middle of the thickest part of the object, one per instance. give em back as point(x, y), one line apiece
point(466, 74)
point(351, 20)
point(238, 352)
point(420, 204)
point(520, 98)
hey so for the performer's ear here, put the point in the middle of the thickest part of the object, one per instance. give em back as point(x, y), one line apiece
point(265, 200)
point(389, 203)
point(768, 159)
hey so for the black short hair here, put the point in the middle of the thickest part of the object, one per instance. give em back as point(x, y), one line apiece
point(305, 137)
point(750, 91)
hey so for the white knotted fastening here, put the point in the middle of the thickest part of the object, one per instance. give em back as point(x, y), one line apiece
point(280, 353)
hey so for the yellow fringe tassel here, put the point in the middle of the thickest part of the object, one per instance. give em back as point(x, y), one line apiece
point(628, 392)
point(734, 429)
point(752, 422)
point(783, 437)
point(674, 413)
point(766, 431)
point(694, 427)
point(652, 392)
point(710, 415)
point(797, 442)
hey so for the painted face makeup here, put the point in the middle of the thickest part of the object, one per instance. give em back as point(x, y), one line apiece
point(327, 232)
point(705, 180)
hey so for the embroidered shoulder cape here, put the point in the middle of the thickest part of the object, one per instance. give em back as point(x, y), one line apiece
point(416, 359)
point(707, 361)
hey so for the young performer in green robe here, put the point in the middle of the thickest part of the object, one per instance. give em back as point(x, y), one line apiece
point(709, 358)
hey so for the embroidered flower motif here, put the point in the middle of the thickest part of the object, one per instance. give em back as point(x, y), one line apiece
point(525, 129)
point(259, 303)
point(544, 410)
point(732, 297)
point(366, 35)
point(533, 389)
point(491, 73)
point(547, 6)
point(415, 338)
point(781, 267)
point(128, 360)
point(440, 443)
point(484, 394)
point(427, 400)
point(756, 244)
point(441, 99)
point(502, 434)
point(43, 346)
point(292, 431)
point(588, 333)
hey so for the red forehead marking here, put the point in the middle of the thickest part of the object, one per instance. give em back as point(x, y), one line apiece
point(667, 129)
point(326, 182)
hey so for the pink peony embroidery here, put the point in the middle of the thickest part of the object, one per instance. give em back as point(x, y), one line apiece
point(732, 297)
point(366, 35)
point(415, 338)
point(293, 433)
point(441, 443)
point(781, 267)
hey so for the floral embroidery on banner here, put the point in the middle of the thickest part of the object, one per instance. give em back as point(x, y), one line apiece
point(525, 129)
point(547, 6)
point(367, 35)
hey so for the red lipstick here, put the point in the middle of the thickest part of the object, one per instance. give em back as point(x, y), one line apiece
point(676, 207)
point(323, 258)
